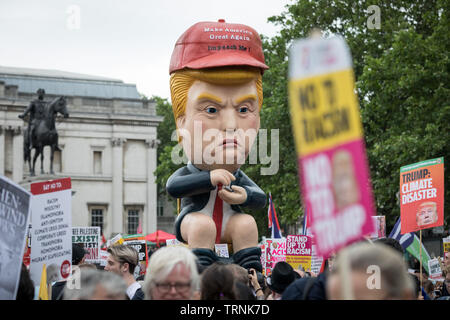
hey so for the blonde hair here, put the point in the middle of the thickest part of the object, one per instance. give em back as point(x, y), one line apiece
point(125, 254)
point(181, 81)
point(393, 270)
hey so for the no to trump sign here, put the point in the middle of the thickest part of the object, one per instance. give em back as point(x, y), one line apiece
point(329, 141)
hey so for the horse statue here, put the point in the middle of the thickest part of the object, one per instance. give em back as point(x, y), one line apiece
point(44, 134)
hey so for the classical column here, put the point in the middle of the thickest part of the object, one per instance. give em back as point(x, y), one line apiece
point(150, 222)
point(17, 154)
point(2, 150)
point(116, 217)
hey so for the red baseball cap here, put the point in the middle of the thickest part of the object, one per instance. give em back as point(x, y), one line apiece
point(217, 44)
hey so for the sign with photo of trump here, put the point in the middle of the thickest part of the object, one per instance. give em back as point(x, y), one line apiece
point(422, 195)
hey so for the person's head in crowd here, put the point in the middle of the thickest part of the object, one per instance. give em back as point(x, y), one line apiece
point(446, 285)
point(330, 261)
point(393, 243)
point(240, 274)
point(26, 285)
point(97, 285)
point(78, 254)
point(52, 273)
point(171, 275)
point(416, 282)
point(243, 291)
point(217, 283)
point(421, 276)
point(375, 272)
point(428, 286)
point(447, 258)
point(87, 266)
point(282, 276)
point(122, 260)
point(307, 288)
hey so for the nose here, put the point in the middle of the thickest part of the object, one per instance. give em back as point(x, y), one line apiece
point(173, 290)
point(229, 120)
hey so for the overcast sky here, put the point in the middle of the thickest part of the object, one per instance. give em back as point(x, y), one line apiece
point(130, 40)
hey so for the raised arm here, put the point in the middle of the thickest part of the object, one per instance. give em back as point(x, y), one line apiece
point(30, 106)
point(256, 198)
point(183, 183)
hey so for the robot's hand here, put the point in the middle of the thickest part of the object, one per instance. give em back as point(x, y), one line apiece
point(237, 196)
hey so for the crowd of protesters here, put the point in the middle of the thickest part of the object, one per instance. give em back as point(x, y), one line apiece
point(174, 273)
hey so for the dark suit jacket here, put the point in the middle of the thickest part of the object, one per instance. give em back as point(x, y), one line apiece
point(193, 186)
point(139, 295)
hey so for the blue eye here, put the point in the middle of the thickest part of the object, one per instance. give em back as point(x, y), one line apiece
point(243, 109)
point(211, 110)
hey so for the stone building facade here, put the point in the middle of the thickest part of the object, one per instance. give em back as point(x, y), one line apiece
point(108, 147)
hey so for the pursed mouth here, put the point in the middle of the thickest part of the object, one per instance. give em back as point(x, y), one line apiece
point(229, 143)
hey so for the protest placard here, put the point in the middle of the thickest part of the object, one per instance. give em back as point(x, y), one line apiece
point(299, 251)
point(14, 214)
point(275, 251)
point(435, 272)
point(51, 219)
point(103, 257)
point(89, 239)
point(422, 195)
point(172, 242)
point(262, 246)
point(117, 239)
point(446, 244)
point(380, 227)
point(316, 260)
point(334, 176)
point(27, 253)
point(140, 244)
point(222, 250)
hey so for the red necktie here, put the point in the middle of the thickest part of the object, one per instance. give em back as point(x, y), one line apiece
point(218, 214)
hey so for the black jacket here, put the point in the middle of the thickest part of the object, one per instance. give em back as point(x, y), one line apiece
point(193, 186)
point(139, 295)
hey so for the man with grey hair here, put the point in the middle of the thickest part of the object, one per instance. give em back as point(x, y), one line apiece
point(96, 285)
point(172, 275)
point(369, 272)
point(122, 260)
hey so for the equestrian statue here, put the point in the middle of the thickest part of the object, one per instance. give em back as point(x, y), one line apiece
point(41, 129)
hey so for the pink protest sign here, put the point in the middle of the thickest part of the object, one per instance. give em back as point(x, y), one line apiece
point(275, 252)
point(299, 251)
point(334, 174)
point(338, 196)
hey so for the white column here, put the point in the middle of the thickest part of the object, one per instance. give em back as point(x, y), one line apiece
point(17, 154)
point(116, 216)
point(2, 151)
point(150, 222)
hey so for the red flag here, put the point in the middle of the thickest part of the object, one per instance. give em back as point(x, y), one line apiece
point(273, 220)
point(322, 267)
point(103, 244)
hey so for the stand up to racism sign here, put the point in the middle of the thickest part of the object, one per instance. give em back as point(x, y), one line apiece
point(422, 195)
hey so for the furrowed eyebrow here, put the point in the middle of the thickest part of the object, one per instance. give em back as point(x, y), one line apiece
point(245, 98)
point(209, 96)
